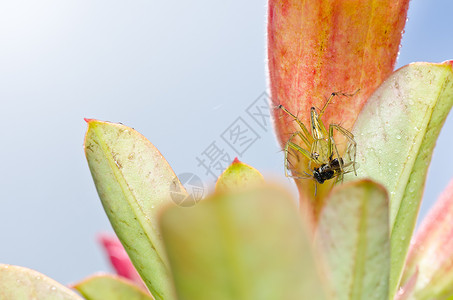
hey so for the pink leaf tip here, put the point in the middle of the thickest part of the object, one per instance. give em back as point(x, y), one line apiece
point(119, 258)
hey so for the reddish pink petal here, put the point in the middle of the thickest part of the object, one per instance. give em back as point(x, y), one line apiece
point(431, 251)
point(316, 47)
point(119, 258)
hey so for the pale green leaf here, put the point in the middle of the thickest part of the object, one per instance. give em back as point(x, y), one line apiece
point(247, 245)
point(18, 283)
point(133, 181)
point(102, 287)
point(238, 176)
point(395, 134)
point(353, 235)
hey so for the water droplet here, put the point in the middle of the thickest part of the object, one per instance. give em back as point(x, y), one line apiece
point(398, 137)
point(53, 288)
point(118, 164)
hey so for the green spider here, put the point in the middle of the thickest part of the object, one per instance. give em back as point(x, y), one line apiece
point(321, 149)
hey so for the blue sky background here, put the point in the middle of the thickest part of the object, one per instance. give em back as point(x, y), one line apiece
point(179, 72)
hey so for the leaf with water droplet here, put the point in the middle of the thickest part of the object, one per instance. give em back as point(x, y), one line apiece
point(132, 190)
point(22, 283)
point(430, 88)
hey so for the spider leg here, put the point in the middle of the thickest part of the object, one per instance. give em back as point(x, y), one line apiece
point(352, 145)
point(333, 149)
point(333, 95)
point(290, 145)
point(304, 134)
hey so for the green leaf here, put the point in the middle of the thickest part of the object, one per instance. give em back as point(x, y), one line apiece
point(395, 134)
point(248, 245)
point(101, 287)
point(22, 283)
point(353, 235)
point(133, 181)
point(238, 176)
